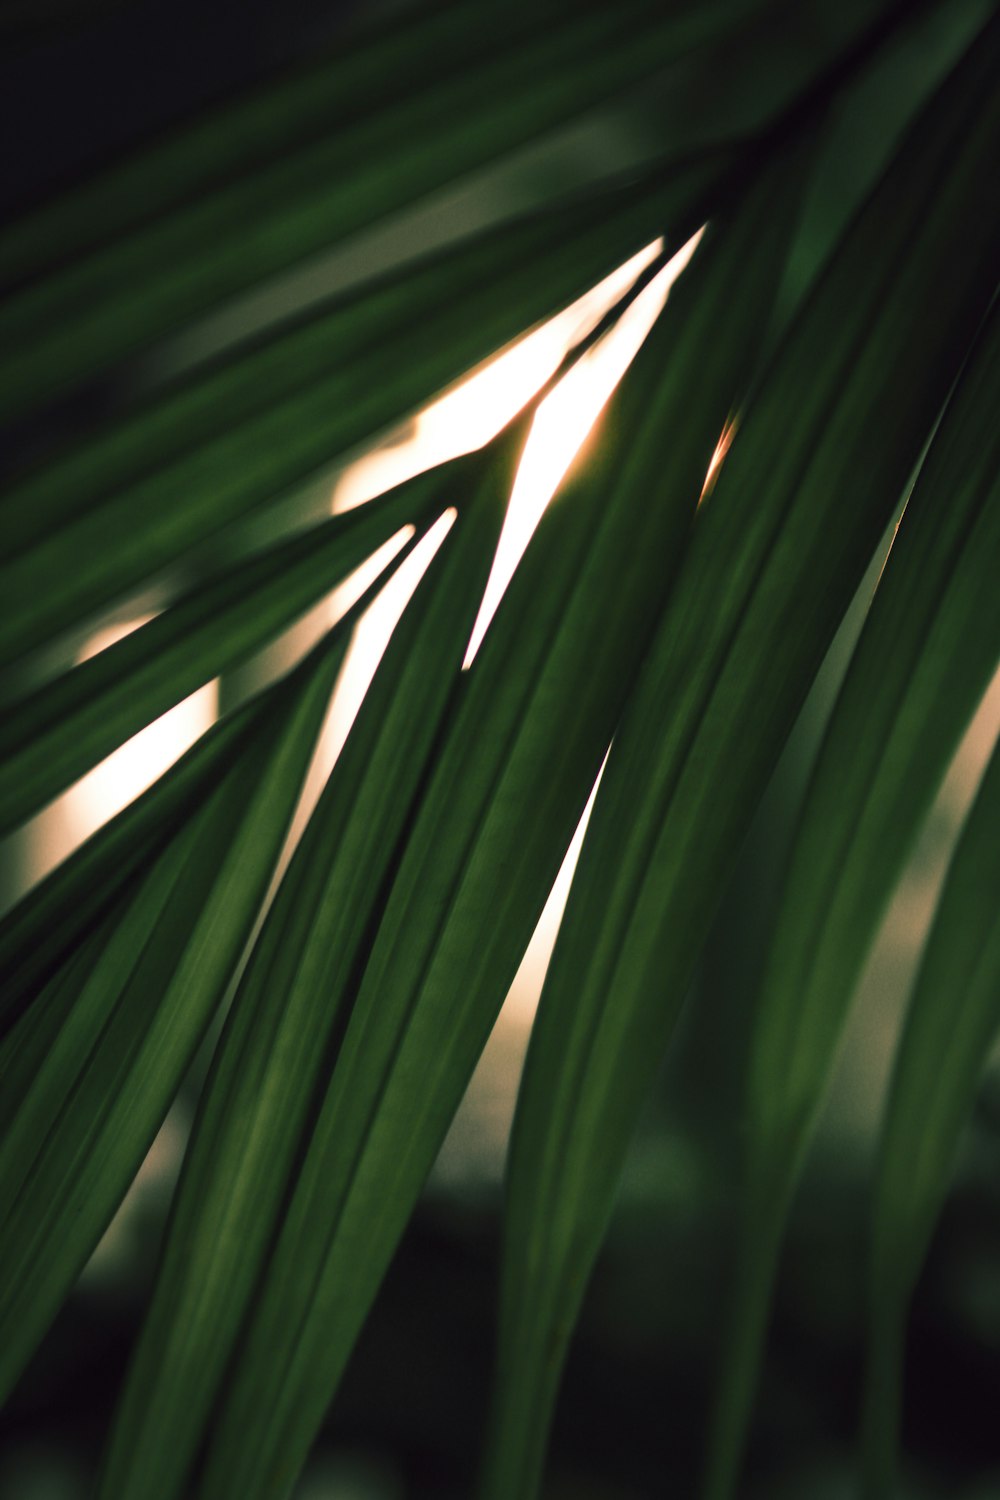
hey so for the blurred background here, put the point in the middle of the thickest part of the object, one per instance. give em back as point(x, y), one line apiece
point(82, 81)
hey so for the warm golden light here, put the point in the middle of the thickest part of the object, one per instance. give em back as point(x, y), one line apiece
point(464, 419)
point(371, 635)
point(722, 447)
point(474, 411)
point(476, 1144)
point(460, 421)
point(522, 1000)
point(134, 766)
point(561, 425)
point(122, 776)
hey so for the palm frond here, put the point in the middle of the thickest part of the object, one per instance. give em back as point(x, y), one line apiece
point(678, 620)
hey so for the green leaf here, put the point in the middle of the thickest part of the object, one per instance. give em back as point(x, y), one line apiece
point(87, 1115)
point(88, 313)
point(950, 1026)
point(52, 918)
point(43, 928)
point(401, 55)
point(687, 637)
point(512, 777)
point(99, 520)
point(778, 549)
point(954, 1012)
point(50, 739)
point(337, 338)
point(291, 1009)
point(926, 655)
point(23, 1049)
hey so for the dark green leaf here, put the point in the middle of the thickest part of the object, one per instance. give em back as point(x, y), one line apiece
point(950, 1026)
point(925, 657)
point(23, 1049)
point(290, 1011)
point(50, 739)
point(81, 531)
point(814, 472)
point(53, 917)
point(88, 1113)
point(512, 777)
point(142, 284)
point(403, 54)
point(926, 654)
point(954, 1012)
point(44, 927)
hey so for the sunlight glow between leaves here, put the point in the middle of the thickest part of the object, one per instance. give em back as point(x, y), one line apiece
point(474, 411)
point(530, 976)
point(122, 776)
point(722, 447)
point(127, 773)
point(561, 425)
point(371, 635)
point(475, 1148)
point(856, 1101)
point(464, 419)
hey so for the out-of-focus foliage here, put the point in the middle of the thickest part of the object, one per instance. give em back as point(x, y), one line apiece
point(200, 324)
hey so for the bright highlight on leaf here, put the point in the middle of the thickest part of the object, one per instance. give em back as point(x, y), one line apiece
point(92, 1066)
point(564, 419)
point(474, 412)
point(121, 778)
point(292, 386)
point(291, 1011)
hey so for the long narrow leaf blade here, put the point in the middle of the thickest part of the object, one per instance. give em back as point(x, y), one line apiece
point(779, 547)
point(927, 652)
point(53, 918)
point(543, 699)
point(288, 1013)
point(907, 1198)
point(89, 1113)
point(925, 657)
point(47, 923)
point(325, 346)
point(950, 1026)
point(55, 736)
point(83, 530)
point(85, 315)
point(403, 53)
